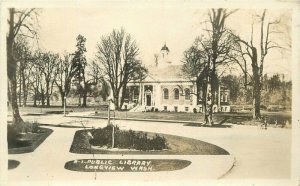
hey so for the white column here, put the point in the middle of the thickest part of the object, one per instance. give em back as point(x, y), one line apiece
point(157, 95)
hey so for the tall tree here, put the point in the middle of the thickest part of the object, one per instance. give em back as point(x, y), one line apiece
point(79, 60)
point(117, 54)
point(257, 54)
point(19, 24)
point(214, 49)
point(220, 47)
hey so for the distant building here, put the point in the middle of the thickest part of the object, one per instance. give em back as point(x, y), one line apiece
point(166, 89)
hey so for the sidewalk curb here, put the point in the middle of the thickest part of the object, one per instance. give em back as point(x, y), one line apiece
point(230, 169)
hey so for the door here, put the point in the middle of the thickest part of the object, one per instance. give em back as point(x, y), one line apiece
point(148, 100)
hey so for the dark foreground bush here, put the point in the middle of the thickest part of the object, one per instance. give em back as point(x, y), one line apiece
point(127, 139)
point(12, 134)
point(14, 131)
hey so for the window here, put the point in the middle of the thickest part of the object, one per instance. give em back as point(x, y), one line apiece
point(226, 98)
point(176, 93)
point(187, 94)
point(165, 108)
point(166, 93)
point(186, 109)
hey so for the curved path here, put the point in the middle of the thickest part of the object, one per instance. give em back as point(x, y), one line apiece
point(258, 153)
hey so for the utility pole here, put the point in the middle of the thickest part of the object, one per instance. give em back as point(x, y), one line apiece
point(108, 112)
point(65, 101)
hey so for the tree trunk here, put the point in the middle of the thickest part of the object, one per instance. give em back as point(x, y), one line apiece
point(24, 88)
point(34, 100)
point(14, 104)
point(43, 98)
point(8, 93)
point(116, 100)
point(256, 85)
point(79, 100)
point(11, 70)
point(62, 95)
point(48, 101)
point(256, 100)
point(84, 97)
point(122, 95)
point(20, 86)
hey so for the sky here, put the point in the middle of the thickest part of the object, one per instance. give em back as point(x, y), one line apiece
point(151, 27)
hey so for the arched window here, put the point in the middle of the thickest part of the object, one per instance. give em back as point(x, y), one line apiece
point(187, 94)
point(176, 93)
point(166, 93)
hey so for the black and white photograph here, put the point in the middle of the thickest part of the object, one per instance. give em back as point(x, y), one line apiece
point(150, 93)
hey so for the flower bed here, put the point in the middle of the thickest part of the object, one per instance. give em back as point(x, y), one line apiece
point(127, 139)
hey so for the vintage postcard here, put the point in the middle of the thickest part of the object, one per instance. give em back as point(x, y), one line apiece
point(150, 92)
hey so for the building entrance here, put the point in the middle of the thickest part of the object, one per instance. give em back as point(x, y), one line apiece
point(148, 100)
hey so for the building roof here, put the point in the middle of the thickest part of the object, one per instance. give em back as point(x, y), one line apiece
point(167, 74)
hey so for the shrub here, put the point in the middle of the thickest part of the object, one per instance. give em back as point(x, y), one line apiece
point(127, 139)
point(30, 127)
point(25, 127)
point(12, 134)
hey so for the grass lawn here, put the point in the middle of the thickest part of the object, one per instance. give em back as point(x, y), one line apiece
point(235, 118)
point(28, 142)
point(176, 146)
point(50, 110)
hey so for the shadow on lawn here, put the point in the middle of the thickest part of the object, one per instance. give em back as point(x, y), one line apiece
point(47, 113)
point(219, 125)
point(202, 125)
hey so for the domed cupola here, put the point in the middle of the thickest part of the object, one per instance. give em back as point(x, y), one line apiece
point(164, 52)
point(165, 48)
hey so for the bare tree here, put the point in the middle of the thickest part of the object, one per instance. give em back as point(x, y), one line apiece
point(257, 54)
point(35, 79)
point(19, 24)
point(96, 85)
point(66, 70)
point(48, 67)
point(23, 58)
point(117, 54)
point(193, 66)
point(210, 52)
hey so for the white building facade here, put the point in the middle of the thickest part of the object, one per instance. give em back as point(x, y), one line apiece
point(166, 89)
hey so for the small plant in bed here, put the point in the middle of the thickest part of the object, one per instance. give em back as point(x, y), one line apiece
point(124, 139)
point(25, 137)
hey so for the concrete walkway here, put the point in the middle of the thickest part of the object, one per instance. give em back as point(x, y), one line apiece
point(258, 153)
